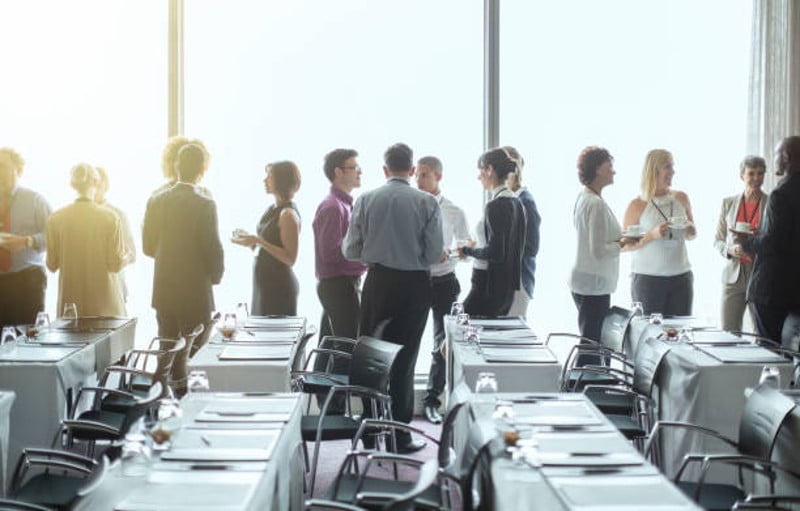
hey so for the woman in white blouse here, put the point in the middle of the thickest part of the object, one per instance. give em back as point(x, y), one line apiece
point(661, 276)
point(594, 275)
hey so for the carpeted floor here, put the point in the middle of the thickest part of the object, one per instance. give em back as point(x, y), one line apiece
point(332, 454)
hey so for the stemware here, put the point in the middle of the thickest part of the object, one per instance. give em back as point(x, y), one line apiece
point(198, 381)
point(456, 309)
point(228, 326)
point(242, 313)
point(9, 334)
point(486, 386)
point(770, 375)
point(170, 420)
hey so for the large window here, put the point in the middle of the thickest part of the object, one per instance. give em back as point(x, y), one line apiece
point(631, 76)
point(268, 81)
point(86, 81)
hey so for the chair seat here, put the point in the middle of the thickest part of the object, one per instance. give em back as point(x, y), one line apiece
point(335, 427)
point(112, 419)
point(618, 404)
point(346, 491)
point(588, 378)
point(121, 404)
point(50, 490)
point(627, 426)
point(714, 496)
point(313, 384)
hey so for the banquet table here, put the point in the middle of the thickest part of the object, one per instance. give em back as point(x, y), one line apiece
point(6, 400)
point(506, 347)
point(46, 370)
point(235, 451)
point(702, 380)
point(569, 457)
point(256, 358)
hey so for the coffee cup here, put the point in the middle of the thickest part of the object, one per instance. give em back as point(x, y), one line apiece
point(742, 227)
point(633, 230)
point(678, 221)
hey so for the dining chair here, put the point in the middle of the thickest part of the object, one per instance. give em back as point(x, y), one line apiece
point(328, 505)
point(790, 333)
point(331, 366)
point(768, 503)
point(55, 479)
point(765, 411)
point(17, 505)
point(178, 377)
point(616, 328)
point(97, 424)
point(369, 377)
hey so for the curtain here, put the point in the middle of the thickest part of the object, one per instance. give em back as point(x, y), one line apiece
point(773, 110)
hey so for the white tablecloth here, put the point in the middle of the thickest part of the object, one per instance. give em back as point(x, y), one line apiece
point(276, 484)
point(6, 400)
point(41, 377)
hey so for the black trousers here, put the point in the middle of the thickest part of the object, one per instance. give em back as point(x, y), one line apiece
point(403, 298)
point(444, 291)
point(671, 296)
point(22, 296)
point(769, 320)
point(341, 305)
point(592, 310)
point(173, 326)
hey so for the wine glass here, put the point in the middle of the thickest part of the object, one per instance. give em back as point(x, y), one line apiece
point(656, 318)
point(42, 322)
point(228, 326)
point(770, 375)
point(198, 381)
point(456, 309)
point(462, 318)
point(242, 312)
point(70, 312)
point(170, 420)
point(637, 308)
point(485, 386)
point(9, 334)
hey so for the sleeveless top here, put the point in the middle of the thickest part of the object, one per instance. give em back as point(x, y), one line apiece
point(665, 257)
point(275, 287)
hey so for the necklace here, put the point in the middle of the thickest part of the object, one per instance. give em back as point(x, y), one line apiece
point(743, 205)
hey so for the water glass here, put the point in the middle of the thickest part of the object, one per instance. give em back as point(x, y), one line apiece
point(637, 308)
point(198, 381)
point(42, 322)
point(70, 312)
point(486, 385)
point(228, 326)
point(170, 420)
point(456, 309)
point(242, 312)
point(770, 375)
point(656, 318)
point(9, 334)
point(135, 455)
point(462, 318)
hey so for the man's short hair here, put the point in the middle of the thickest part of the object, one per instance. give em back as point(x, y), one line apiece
point(337, 158)
point(431, 162)
point(16, 160)
point(190, 162)
point(753, 162)
point(399, 158)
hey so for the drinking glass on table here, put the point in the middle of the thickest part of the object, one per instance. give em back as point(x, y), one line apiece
point(770, 375)
point(9, 334)
point(242, 312)
point(456, 309)
point(228, 326)
point(135, 455)
point(637, 308)
point(70, 312)
point(170, 420)
point(198, 381)
point(656, 318)
point(486, 386)
point(42, 322)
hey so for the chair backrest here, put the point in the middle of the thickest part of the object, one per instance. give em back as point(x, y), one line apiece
point(764, 413)
point(141, 406)
point(616, 326)
point(297, 357)
point(372, 363)
point(330, 364)
point(648, 361)
point(428, 474)
point(168, 349)
point(447, 454)
point(16, 505)
point(790, 334)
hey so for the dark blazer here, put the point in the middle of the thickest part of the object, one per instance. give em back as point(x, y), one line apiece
point(180, 233)
point(504, 226)
point(532, 222)
point(776, 269)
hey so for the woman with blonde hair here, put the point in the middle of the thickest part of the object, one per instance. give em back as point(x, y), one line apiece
point(169, 157)
point(84, 243)
point(661, 275)
point(275, 286)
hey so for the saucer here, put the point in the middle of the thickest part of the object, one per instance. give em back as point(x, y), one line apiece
point(744, 233)
point(632, 236)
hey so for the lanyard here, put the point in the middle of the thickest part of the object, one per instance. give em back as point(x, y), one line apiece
point(666, 218)
point(743, 205)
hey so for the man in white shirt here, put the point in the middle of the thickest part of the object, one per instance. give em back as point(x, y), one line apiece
point(444, 284)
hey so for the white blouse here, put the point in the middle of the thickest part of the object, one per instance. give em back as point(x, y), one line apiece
point(596, 268)
point(665, 257)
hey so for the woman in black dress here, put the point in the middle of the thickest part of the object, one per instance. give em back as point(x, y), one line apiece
point(275, 286)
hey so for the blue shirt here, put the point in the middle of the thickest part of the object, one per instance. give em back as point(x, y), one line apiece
point(532, 223)
point(29, 212)
point(396, 226)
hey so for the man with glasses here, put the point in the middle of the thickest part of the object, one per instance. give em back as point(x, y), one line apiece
point(774, 289)
point(397, 231)
point(339, 279)
point(444, 284)
point(23, 217)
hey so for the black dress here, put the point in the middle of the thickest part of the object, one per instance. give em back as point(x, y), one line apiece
point(275, 286)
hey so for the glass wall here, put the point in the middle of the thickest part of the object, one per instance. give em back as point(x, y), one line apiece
point(86, 81)
point(631, 76)
point(268, 81)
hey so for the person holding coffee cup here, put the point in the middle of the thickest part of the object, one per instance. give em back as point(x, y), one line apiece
point(740, 213)
point(661, 277)
point(596, 270)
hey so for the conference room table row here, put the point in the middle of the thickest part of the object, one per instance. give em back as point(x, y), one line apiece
point(45, 372)
point(234, 451)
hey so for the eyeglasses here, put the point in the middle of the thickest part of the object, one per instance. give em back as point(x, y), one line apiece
point(357, 168)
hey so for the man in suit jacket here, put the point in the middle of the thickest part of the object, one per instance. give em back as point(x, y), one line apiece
point(774, 288)
point(180, 233)
point(744, 207)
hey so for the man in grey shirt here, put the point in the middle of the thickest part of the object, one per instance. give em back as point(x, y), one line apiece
point(397, 230)
point(23, 216)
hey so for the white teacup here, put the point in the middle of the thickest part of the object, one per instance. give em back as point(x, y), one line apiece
point(678, 222)
point(633, 230)
point(742, 227)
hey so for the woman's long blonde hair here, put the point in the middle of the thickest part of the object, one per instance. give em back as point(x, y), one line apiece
point(654, 160)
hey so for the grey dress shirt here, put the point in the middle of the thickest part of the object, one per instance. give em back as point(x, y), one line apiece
point(396, 226)
point(29, 212)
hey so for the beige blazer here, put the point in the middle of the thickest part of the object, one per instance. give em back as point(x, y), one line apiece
point(84, 243)
point(724, 239)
